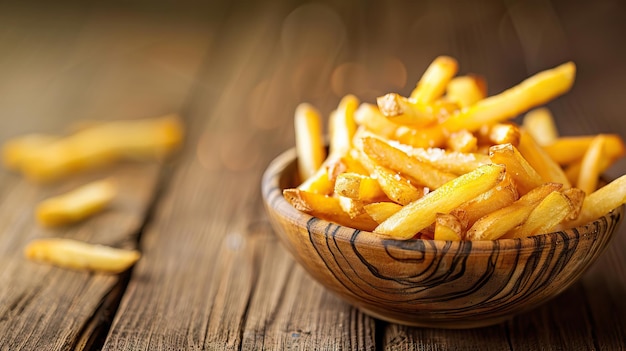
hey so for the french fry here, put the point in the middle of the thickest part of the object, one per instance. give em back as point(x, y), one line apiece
point(309, 143)
point(497, 223)
point(393, 158)
point(466, 90)
point(462, 141)
point(103, 144)
point(533, 91)
point(78, 255)
point(18, 149)
point(448, 227)
point(576, 198)
point(572, 171)
point(400, 110)
point(77, 204)
point(525, 176)
point(319, 183)
point(397, 187)
point(542, 162)
point(352, 207)
point(328, 208)
point(421, 137)
point(568, 150)
point(448, 161)
point(370, 117)
point(419, 214)
point(342, 126)
point(358, 187)
point(540, 124)
point(591, 166)
point(553, 209)
point(601, 202)
point(433, 82)
point(500, 196)
point(500, 133)
point(380, 211)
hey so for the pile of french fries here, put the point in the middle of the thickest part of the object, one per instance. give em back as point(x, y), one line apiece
point(447, 162)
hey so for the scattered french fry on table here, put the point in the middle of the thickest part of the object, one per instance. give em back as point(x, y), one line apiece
point(73, 254)
point(77, 204)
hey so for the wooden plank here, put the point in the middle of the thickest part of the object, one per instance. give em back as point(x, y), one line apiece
point(45, 307)
point(213, 276)
point(291, 311)
point(398, 337)
point(66, 65)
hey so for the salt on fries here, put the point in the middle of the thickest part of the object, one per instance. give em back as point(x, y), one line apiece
point(78, 255)
point(446, 162)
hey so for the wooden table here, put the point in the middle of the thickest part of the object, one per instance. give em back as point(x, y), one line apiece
point(213, 275)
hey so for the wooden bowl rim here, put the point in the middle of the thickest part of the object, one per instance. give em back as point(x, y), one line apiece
point(274, 200)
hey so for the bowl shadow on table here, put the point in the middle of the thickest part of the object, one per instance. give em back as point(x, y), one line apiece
point(432, 283)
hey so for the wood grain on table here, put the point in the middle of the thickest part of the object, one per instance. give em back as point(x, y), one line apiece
point(212, 274)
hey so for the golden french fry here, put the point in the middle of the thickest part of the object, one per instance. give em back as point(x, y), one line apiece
point(328, 208)
point(342, 126)
point(448, 161)
point(540, 124)
point(420, 137)
point(400, 110)
point(568, 150)
point(497, 223)
point(500, 133)
point(358, 187)
point(352, 207)
point(395, 159)
point(104, 143)
point(601, 201)
point(576, 198)
point(572, 171)
point(18, 149)
point(466, 90)
point(553, 209)
point(380, 211)
point(78, 255)
point(397, 187)
point(448, 227)
point(433, 82)
point(319, 183)
point(77, 204)
point(309, 142)
point(370, 117)
point(500, 196)
point(525, 176)
point(542, 162)
point(419, 214)
point(533, 91)
point(591, 166)
point(462, 141)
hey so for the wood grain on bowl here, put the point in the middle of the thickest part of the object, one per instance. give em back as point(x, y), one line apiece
point(433, 283)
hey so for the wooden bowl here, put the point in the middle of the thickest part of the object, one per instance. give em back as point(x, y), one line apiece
point(432, 283)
